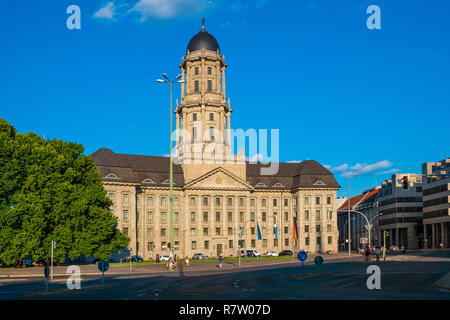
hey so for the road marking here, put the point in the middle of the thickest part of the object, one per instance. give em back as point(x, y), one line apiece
point(345, 285)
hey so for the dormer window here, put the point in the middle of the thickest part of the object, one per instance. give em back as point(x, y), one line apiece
point(319, 183)
point(148, 181)
point(167, 181)
point(278, 185)
point(260, 184)
point(111, 176)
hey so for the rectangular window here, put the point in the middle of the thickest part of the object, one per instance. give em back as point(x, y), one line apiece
point(306, 228)
point(286, 216)
point(175, 201)
point(176, 244)
point(149, 216)
point(194, 245)
point(264, 243)
point(125, 231)
point(286, 202)
point(163, 217)
point(217, 216)
point(205, 216)
point(209, 70)
point(317, 214)
point(193, 232)
point(205, 231)
point(206, 244)
point(230, 201)
point(192, 217)
point(317, 227)
point(330, 214)
point(211, 116)
point(318, 240)
point(192, 201)
point(230, 231)
point(328, 200)
point(194, 117)
point(230, 217)
point(253, 243)
point(211, 133)
point(149, 232)
point(163, 232)
point(196, 70)
point(194, 133)
point(317, 200)
point(252, 202)
point(230, 244)
point(306, 200)
point(163, 201)
point(307, 241)
point(264, 216)
point(176, 217)
point(263, 202)
point(217, 201)
point(275, 202)
point(306, 214)
point(286, 230)
point(217, 231)
point(125, 198)
point(196, 87)
point(209, 85)
point(176, 232)
point(286, 242)
point(205, 201)
point(252, 216)
point(274, 218)
point(241, 202)
point(150, 246)
point(330, 240)
point(125, 215)
point(275, 242)
point(241, 217)
point(252, 230)
point(150, 201)
point(328, 227)
point(264, 230)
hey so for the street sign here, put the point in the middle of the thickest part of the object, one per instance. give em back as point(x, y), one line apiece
point(302, 256)
point(318, 260)
point(103, 266)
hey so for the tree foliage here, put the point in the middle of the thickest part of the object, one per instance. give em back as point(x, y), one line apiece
point(49, 191)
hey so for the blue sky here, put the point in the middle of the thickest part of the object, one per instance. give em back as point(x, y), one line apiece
point(354, 99)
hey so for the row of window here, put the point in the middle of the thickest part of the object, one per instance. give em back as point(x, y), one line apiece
point(206, 243)
point(205, 216)
point(205, 201)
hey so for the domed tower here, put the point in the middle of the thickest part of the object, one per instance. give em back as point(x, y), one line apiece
point(203, 112)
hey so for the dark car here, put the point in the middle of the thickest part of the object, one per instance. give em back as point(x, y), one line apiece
point(135, 259)
point(285, 253)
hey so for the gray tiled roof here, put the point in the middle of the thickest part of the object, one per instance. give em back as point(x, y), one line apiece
point(137, 168)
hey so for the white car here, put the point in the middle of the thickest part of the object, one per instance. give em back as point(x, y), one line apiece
point(164, 258)
point(271, 254)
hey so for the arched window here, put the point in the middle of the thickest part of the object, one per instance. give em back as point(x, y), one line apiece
point(319, 183)
point(148, 181)
point(278, 185)
point(260, 184)
point(111, 176)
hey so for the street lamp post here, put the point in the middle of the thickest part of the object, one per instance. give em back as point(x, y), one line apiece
point(369, 222)
point(168, 81)
point(349, 228)
point(345, 227)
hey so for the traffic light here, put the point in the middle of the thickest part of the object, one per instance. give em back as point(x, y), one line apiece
point(405, 182)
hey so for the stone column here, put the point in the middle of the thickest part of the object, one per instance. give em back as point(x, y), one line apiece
point(442, 234)
point(223, 82)
point(433, 236)
point(229, 129)
point(425, 239)
point(177, 117)
point(182, 84)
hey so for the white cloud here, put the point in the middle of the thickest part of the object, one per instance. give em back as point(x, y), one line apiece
point(106, 12)
point(362, 168)
point(165, 9)
point(388, 171)
point(295, 161)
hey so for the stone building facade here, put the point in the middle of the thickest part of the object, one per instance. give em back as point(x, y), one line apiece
point(214, 200)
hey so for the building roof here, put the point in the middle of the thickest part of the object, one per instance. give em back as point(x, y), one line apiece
point(137, 168)
point(203, 40)
point(361, 201)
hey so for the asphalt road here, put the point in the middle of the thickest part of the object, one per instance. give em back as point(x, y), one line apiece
point(410, 276)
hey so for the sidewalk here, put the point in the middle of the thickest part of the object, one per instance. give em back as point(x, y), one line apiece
point(444, 282)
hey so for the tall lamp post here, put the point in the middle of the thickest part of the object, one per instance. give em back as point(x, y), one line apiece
point(369, 222)
point(167, 80)
point(349, 228)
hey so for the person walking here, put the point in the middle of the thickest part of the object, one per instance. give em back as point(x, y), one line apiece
point(378, 253)
point(186, 262)
point(367, 252)
point(220, 262)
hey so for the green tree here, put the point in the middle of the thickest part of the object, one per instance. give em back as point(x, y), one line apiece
point(49, 191)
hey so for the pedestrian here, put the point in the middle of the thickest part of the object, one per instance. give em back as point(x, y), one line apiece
point(378, 253)
point(186, 262)
point(175, 261)
point(220, 261)
point(367, 252)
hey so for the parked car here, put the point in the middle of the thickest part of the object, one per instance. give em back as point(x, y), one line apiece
point(135, 259)
point(285, 253)
point(199, 256)
point(164, 258)
point(252, 253)
point(403, 250)
point(271, 254)
point(393, 248)
point(26, 263)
